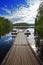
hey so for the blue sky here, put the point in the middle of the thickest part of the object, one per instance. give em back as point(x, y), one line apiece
point(19, 10)
point(11, 5)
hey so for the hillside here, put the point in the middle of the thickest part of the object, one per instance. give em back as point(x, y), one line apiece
point(23, 24)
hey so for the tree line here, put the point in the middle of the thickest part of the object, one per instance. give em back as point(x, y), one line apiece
point(39, 21)
point(39, 31)
point(5, 26)
point(22, 24)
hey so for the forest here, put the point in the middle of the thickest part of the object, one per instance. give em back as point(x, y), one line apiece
point(39, 22)
point(39, 31)
point(5, 26)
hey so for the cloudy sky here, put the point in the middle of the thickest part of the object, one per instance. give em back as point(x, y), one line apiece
point(19, 10)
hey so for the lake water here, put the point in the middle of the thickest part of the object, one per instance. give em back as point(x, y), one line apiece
point(31, 39)
point(6, 42)
point(32, 42)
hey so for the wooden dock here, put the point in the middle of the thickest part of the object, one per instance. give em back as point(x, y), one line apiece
point(20, 53)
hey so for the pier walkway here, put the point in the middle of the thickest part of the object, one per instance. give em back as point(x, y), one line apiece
point(20, 53)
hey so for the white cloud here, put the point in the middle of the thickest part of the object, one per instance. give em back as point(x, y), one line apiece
point(6, 10)
point(24, 14)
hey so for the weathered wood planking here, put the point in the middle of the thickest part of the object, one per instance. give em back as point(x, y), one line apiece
point(20, 53)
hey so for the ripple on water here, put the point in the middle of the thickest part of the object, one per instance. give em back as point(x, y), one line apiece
point(6, 42)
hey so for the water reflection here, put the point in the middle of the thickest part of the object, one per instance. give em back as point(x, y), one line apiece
point(37, 49)
point(32, 40)
point(6, 42)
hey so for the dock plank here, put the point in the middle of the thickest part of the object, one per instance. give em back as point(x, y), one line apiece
point(20, 53)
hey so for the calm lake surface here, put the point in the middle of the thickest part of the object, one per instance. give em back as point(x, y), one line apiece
point(6, 42)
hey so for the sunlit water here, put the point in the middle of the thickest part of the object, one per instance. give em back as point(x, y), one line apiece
point(31, 39)
point(6, 42)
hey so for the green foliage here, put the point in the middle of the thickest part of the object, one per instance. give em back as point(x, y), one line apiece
point(39, 22)
point(5, 26)
point(23, 24)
